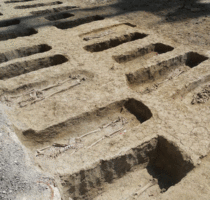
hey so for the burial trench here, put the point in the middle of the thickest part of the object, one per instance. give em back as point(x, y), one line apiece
point(9, 22)
point(113, 42)
point(116, 114)
point(157, 48)
point(52, 11)
point(158, 160)
point(12, 34)
point(19, 68)
point(29, 94)
point(155, 75)
point(17, 1)
point(59, 16)
point(39, 5)
point(24, 52)
point(78, 22)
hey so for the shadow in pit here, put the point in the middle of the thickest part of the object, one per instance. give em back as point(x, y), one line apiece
point(168, 165)
point(138, 109)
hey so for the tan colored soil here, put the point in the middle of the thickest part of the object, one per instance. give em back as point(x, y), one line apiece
point(101, 94)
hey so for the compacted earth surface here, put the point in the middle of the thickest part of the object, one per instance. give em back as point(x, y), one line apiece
point(104, 99)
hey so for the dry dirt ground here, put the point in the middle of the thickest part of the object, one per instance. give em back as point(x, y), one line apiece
point(104, 99)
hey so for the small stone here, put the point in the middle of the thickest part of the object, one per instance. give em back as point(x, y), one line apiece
point(4, 192)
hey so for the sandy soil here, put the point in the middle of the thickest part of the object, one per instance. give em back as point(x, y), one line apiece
point(111, 98)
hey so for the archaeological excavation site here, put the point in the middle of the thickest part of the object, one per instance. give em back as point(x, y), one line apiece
point(105, 100)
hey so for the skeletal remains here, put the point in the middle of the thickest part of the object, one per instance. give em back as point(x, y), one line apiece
point(140, 191)
point(36, 95)
point(203, 96)
point(175, 73)
point(98, 36)
point(76, 143)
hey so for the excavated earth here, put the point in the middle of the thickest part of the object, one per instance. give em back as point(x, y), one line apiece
point(104, 100)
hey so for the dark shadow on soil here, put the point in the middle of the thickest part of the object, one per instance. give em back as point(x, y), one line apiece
point(189, 8)
point(169, 10)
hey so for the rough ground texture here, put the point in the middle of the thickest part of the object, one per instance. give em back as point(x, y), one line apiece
point(104, 99)
point(19, 178)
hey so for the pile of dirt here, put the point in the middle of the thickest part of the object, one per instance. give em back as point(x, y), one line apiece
point(203, 96)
